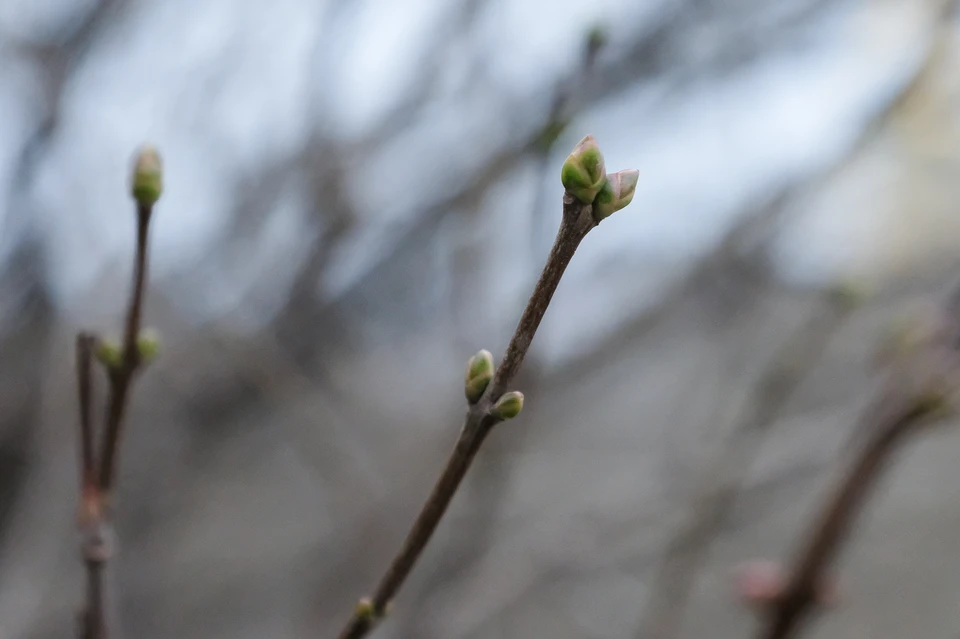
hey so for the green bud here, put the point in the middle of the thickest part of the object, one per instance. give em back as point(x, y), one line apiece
point(616, 193)
point(479, 374)
point(583, 172)
point(365, 610)
point(147, 182)
point(508, 406)
point(109, 353)
point(148, 345)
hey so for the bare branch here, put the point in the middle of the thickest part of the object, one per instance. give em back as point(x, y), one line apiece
point(96, 485)
point(922, 387)
point(122, 375)
point(88, 473)
point(722, 484)
point(834, 524)
point(96, 551)
point(93, 625)
point(577, 222)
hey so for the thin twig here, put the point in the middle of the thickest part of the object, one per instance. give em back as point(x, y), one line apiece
point(835, 522)
point(96, 483)
point(923, 387)
point(92, 623)
point(97, 548)
point(88, 463)
point(577, 222)
point(690, 545)
point(121, 376)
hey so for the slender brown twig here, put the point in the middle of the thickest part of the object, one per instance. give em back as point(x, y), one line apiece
point(836, 520)
point(689, 546)
point(576, 223)
point(88, 463)
point(122, 375)
point(922, 387)
point(92, 622)
point(97, 476)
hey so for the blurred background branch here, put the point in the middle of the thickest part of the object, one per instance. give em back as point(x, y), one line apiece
point(360, 197)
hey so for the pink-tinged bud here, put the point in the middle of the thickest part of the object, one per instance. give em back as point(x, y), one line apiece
point(583, 172)
point(616, 193)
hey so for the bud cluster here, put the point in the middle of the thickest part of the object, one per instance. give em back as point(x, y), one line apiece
point(585, 177)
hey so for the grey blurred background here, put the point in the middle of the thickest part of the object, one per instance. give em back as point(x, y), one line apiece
point(360, 195)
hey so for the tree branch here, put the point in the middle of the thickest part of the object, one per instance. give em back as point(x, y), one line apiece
point(577, 222)
point(837, 517)
point(88, 463)
point(922, 387)
point(122, 375)
point(96, 483)
point(689, 546)
point(93, 625)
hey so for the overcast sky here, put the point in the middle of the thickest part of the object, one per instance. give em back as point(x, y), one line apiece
point(223, 86)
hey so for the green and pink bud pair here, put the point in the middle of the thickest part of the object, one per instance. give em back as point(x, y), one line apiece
point(584, 176)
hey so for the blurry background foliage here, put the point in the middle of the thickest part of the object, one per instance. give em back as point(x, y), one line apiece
point(359, 196)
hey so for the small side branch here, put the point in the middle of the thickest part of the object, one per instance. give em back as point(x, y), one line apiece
point(88, 463)
point(92, 620)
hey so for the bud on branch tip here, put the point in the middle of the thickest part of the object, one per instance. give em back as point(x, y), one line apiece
point(508, 406)
point(479, 374)
point(583, 172)
point(616, 193)
point(147, 182)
